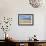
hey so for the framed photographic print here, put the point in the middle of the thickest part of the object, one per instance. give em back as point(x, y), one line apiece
point(25, 19)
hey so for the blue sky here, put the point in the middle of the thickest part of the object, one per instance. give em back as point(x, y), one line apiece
point(25, 17)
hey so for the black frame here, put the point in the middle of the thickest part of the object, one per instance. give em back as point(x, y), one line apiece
point(26, 24)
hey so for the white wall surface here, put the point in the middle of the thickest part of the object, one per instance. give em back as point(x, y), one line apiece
point(11, 8)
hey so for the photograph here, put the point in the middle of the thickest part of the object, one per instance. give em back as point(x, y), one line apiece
point(25, 19)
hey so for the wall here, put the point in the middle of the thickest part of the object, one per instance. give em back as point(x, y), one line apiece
point(11, 8)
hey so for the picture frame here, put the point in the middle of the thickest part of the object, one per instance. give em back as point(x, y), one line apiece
point(25, 19)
